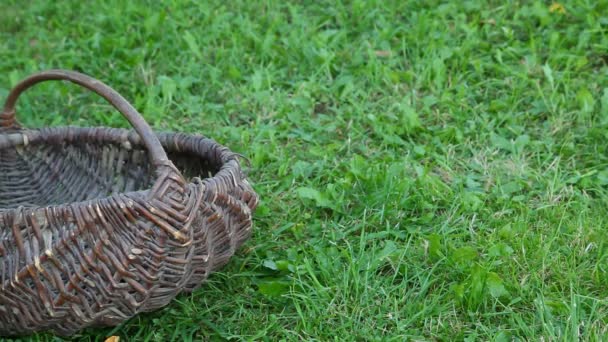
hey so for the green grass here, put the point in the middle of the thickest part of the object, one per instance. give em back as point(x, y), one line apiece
point(428, 171)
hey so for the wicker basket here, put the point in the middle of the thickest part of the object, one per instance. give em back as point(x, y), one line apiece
point(100, 224)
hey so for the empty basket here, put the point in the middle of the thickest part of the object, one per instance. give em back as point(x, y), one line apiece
point(100, 224)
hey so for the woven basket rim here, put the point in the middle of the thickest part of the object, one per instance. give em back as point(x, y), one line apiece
point(228, 168)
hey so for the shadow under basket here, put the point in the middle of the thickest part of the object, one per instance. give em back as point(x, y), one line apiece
point(100, 224)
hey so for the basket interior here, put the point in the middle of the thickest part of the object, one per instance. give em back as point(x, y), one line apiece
point(40, 175)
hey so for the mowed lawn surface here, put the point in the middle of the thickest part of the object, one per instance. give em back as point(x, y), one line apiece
point(427, 170)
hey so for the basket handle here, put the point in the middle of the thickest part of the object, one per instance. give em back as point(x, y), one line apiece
point(150, 140)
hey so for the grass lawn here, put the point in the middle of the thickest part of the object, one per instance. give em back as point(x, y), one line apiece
point(428, 171)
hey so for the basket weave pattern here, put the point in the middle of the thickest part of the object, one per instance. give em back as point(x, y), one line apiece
point(100, 224)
